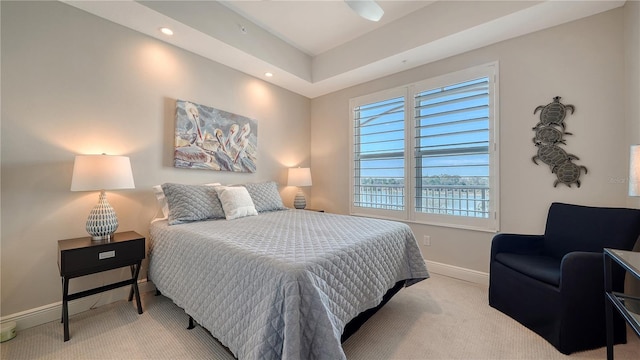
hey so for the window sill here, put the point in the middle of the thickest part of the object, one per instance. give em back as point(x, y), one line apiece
point(430, 223)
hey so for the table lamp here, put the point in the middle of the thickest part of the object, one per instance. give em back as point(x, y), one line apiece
point(299, 177)
point(101, 172)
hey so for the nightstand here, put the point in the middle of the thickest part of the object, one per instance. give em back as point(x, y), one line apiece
point(83, 256)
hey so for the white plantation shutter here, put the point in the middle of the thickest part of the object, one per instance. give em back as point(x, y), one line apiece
point(452, 135)
point(379, 154)
point(427, 152)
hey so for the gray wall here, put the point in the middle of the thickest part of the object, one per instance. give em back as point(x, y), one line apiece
point(582, 61)
point(632, 77)
point(73, 83)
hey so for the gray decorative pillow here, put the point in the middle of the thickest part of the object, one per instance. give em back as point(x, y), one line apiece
point(265, 196)
point(192, 203)
point(162, 200)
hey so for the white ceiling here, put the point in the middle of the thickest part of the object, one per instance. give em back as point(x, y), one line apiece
point(314, 47)
point(317, 26)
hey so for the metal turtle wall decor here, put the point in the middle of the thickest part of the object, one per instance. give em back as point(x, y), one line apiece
point(549, 134)
point(553, 114)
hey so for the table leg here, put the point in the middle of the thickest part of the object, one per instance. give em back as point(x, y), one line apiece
point(65, 307)
point(62, 310)
point(608, 306)
point(132, 267)
point(134, 286)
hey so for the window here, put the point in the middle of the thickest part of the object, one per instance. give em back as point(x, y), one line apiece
point(379, 152)
point(426, 152)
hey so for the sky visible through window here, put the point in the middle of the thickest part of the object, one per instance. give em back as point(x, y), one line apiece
point(381, 127)
point(452, 135)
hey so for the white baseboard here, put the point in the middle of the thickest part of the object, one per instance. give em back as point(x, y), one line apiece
point(473, 276)
point(52, 312)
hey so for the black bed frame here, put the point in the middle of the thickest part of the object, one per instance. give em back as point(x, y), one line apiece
point(355, 323)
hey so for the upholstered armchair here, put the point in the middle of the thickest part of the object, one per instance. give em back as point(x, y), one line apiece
point(554, 283)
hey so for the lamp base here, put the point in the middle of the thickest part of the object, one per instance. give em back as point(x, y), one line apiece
point(299, 202)
point(102, 221)
point(106, 238)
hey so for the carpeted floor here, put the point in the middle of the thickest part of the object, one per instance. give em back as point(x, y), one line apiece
point(440, 318)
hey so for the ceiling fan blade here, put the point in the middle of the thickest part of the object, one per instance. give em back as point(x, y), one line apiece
point(368, 9)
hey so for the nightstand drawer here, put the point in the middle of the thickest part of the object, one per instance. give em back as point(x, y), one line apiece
point(83, 259)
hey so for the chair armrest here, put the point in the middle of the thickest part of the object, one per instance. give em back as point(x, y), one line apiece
point(586, 269)
point(582, 297)
point(582, 270)
point(516, 244)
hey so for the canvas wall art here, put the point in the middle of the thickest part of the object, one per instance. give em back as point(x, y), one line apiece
point(213, 139)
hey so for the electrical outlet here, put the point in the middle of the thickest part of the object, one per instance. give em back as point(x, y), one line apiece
point(426, 240)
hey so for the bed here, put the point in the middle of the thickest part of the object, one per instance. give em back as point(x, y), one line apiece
point(285, 283)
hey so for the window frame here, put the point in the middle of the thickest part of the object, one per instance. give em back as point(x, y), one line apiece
point(408, 91)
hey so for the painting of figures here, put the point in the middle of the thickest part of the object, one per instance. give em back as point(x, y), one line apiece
point(208, 138)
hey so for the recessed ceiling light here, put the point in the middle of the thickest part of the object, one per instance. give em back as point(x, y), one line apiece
point(166, 31)
point(268, 74)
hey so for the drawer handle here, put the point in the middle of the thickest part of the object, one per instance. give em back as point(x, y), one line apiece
point(106, 255)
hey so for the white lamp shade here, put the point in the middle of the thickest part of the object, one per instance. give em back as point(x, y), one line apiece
point(299, 177)
point(101, 172)
point(634, 171)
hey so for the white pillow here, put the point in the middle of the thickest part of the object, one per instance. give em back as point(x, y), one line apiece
point(236, 202)
point(162, 200)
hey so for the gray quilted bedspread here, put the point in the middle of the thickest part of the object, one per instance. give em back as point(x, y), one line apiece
point(282, 285)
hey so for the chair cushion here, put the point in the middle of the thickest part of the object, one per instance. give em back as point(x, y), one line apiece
point(542, 268)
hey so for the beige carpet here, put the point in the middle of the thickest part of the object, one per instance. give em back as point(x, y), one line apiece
point(440, 318)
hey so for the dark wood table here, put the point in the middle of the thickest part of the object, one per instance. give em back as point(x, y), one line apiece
point(83, 256)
